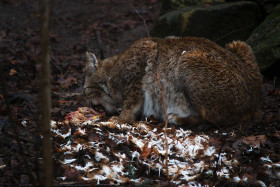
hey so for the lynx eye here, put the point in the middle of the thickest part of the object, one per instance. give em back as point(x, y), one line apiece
point(105, 89)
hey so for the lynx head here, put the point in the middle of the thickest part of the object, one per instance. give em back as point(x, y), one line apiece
point(96, 89)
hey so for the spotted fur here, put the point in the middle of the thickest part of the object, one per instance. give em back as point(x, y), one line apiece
point(201, 81)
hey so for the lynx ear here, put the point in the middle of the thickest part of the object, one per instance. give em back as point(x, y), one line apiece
point(91, 64)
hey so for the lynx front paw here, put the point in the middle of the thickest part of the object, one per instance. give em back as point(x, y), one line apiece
point(189, 121)
point(173, 119)
point(119, 120)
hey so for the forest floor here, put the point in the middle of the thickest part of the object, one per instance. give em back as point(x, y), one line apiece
point(73, 32)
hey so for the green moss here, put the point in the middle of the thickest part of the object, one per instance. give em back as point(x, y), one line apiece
point(185, 19)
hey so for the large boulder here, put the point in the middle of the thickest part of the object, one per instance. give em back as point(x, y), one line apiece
point(267, 6)
point(265, 41)
point(221, 23)
point(168, 5)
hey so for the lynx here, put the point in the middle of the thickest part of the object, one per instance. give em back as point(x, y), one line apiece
point(201, 81)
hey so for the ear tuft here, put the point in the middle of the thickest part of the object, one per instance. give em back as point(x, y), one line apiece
point(91, 66)
point(91, 63)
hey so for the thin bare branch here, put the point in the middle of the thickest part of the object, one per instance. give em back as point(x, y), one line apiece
point(100, 45)
point(166, 122)
point(234, 31)
point(144, 22)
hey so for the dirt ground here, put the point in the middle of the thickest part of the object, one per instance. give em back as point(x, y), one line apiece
point(74, 26)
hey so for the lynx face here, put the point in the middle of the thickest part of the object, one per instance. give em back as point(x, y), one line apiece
point(96, 95)
point(96, 90)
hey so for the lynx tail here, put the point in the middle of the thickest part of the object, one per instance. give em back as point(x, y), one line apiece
point(242, 50)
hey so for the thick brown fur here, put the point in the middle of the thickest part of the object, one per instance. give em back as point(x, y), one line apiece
point(201, 81)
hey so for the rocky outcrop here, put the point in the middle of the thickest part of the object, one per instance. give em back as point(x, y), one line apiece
point(266, 6)
point(265, 41)
point(221, 22)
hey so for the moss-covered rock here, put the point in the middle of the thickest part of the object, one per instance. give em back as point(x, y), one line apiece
point(265, 41)
point(167, 5)
point(221, 23)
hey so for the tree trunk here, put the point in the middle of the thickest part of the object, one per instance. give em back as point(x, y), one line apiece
point(45, 91)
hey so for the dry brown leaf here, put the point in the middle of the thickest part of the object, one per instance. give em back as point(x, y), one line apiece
point(146, 152)
point(61, 102)
point(65, 83)
point(12, 72)
point(80, 133)
point(254, 140)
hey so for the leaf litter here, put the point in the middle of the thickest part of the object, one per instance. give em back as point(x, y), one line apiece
point(103, 152)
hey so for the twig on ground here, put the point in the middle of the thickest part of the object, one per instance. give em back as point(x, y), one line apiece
point(240, 129)
point(166, 122)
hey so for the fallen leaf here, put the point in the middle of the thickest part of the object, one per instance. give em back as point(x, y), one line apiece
point(61, 102)
point(12, 72)
point(254, 140)
point(80, 132)
point(277, 134)
point(65, 83)
point(75, 114)
point(14, 61)
point(146, 152)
